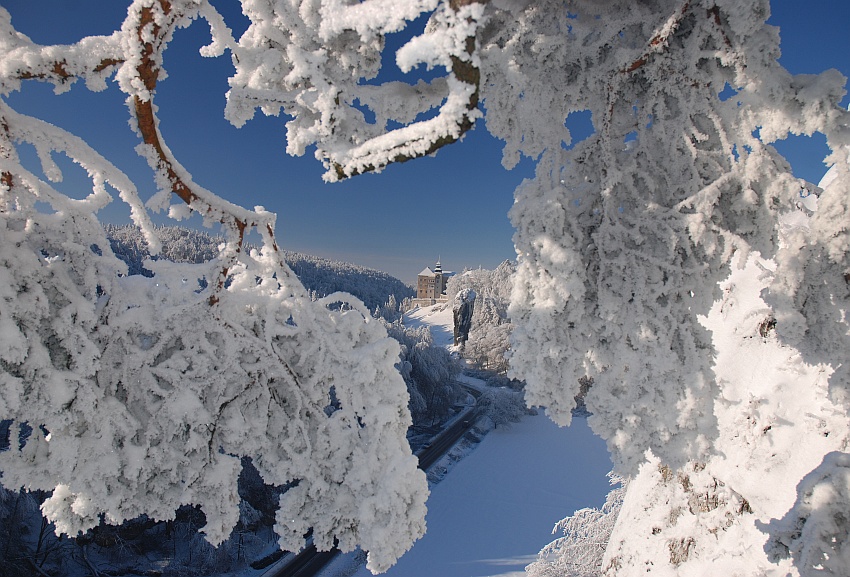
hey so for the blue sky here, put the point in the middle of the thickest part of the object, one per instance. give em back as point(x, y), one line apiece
point(453, 206)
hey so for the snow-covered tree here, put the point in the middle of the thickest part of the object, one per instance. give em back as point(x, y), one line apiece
point(621, 239)
point(489, 337)
point(143, 393)
point(580, 551)
point(429, 371)
point(501, 405)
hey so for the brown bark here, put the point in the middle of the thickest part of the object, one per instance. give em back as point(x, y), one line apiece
point(463, 71)
point(146, 118)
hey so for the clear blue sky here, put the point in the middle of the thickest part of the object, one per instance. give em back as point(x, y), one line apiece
point(453, 205)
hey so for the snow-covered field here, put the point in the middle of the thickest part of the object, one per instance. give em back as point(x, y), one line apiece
point(496, 508)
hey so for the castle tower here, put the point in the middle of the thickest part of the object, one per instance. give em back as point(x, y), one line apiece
point(431, 284)
point(439, 280)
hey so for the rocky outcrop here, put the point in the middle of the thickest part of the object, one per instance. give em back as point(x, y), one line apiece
point(462, 307)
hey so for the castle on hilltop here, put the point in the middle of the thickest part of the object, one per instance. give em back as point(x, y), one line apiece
point(431, 286)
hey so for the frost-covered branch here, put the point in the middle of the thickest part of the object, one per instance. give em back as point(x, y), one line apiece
point(450, 43)
point(149, 27)
point(141, 396)
point(93, 58)
point(325, 58)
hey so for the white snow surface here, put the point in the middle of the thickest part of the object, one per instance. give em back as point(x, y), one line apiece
point(496, 509)
point(439, 318)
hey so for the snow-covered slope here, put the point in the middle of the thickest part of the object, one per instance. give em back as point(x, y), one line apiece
point(438, 318)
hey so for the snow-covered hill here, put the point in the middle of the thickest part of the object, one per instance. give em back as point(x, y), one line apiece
point(438, 318)
point(319, 275)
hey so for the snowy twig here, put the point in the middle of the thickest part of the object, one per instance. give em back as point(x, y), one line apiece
point(457, 116)
point(152, 35)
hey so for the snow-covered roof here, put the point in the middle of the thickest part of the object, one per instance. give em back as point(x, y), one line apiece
point(427, 272)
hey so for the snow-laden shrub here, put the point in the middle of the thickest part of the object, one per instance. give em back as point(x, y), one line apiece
point(502, 405)
point(579, 553)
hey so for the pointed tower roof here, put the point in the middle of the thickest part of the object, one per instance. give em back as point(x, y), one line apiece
point(438, 269)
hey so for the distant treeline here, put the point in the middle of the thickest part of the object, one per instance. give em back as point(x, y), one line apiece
point(318, 275)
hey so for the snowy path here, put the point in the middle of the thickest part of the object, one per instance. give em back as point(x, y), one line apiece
point(496, 508)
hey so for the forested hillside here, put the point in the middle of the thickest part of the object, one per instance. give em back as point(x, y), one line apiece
point(318, 275)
